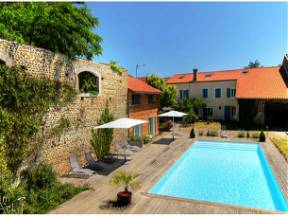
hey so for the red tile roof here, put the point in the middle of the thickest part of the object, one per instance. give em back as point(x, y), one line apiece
point(140, 86)
point(262, 83)
point(257, 83)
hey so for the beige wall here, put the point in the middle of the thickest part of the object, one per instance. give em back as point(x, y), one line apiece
point(195, 90)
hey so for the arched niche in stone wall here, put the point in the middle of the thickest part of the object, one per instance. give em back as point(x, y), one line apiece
point(5, 59)
point(88, 76)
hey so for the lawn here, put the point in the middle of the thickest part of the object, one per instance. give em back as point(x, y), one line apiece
point(282, 145)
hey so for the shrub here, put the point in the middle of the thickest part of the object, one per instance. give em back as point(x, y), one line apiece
point(144, 138)
point(247, 134)
point(192, 133)
point(256, 135)
point(135, 138)
point(39, 186)
point(209, 119)
point(241, 134)
point(200, 133)
point(147, 138)
point(262, 137)
point(41, 176)
point(212, 133)
point(115, 67)
point(191, 117)
point(102, 138)
point(41, 201)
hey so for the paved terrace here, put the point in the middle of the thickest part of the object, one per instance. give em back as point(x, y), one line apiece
point(152, 162)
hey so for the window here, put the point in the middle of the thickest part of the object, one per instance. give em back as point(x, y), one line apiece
point(136, 99)
point(137, 130)
point(150, 99)
point(228, 92)
point(231, 92)
point(233, 111)
point(184, 94)
point(218, 93)
point(88, 83)
point(205, 93)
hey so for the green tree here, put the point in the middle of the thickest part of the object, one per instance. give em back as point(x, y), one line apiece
point(169, 92)
point(254, 64)
point(194, 104)
point(102, 138)
point(63, 27)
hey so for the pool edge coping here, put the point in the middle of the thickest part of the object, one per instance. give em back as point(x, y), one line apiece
point(215, 204)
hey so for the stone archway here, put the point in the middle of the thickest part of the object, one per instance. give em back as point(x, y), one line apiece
point(91, 70)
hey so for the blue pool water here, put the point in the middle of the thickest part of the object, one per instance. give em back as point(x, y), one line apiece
point(224, 172)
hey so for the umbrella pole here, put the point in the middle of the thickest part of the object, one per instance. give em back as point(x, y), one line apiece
point(173, 132)
point(125, 159)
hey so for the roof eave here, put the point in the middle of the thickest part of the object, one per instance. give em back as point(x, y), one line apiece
point(145, 92)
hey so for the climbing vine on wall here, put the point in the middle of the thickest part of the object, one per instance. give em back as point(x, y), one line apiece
point(22, 102)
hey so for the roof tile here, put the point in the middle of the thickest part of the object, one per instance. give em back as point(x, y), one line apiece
point(256, 83)
point(137, 85)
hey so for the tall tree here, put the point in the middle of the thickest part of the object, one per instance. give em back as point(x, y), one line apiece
point(63, 27)
point(102, 138)
point(254, 64)
point(169, 92)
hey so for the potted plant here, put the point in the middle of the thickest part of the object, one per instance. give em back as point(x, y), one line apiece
point(128, 181)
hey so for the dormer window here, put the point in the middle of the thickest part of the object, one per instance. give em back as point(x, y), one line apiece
point(208, 75)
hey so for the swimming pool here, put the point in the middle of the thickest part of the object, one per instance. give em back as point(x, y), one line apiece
point(224, 172)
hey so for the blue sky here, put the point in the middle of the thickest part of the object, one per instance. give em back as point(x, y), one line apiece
point(175, 37)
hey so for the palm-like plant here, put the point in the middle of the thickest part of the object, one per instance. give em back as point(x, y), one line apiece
point(126, 179)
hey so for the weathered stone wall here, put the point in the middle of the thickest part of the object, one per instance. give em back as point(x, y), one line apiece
point(82, 113)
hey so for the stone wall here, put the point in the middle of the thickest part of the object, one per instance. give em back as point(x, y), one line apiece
point(82, 113)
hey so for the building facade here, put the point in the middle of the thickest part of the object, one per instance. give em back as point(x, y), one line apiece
point(143, 103)
point(260, 94)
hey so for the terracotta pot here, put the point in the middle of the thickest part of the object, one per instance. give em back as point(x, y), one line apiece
point(124, 197)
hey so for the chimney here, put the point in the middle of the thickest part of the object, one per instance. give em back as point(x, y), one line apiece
point(195, 71)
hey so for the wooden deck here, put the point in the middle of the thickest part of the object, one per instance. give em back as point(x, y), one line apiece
point(152, 162)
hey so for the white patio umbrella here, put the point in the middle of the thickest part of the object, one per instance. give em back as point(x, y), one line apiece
point(173, 114)
point(123, 123)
